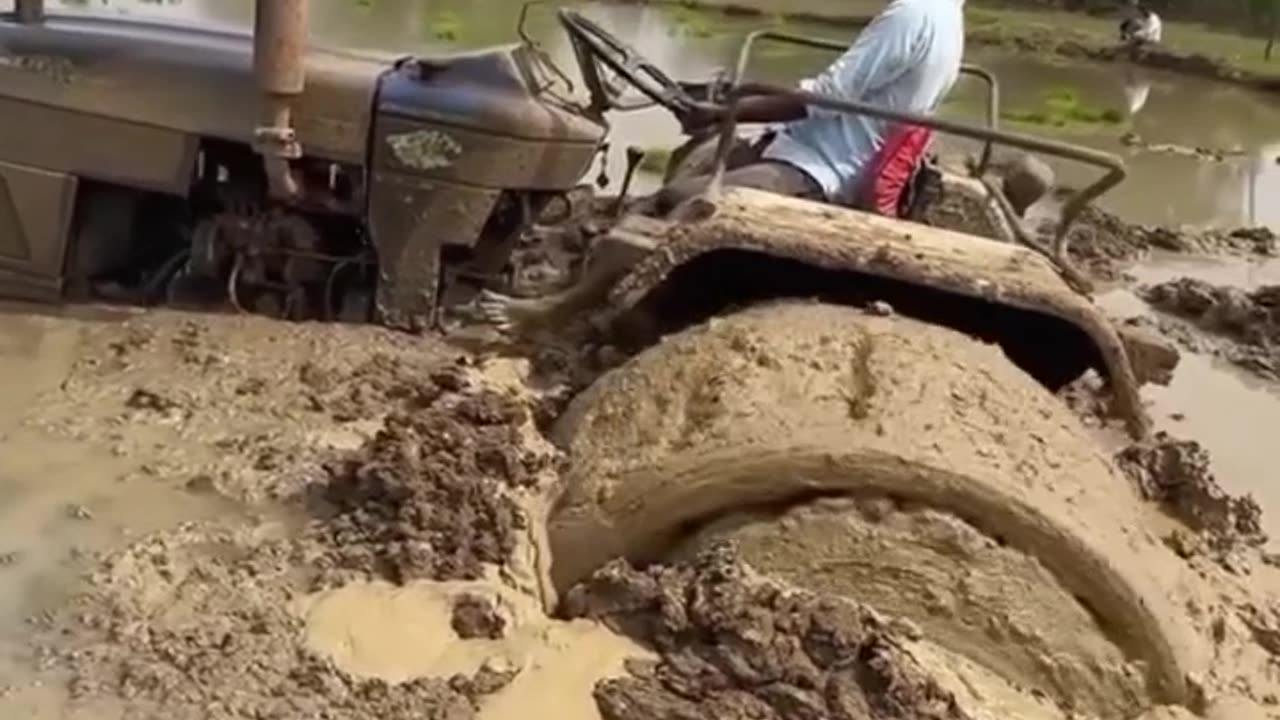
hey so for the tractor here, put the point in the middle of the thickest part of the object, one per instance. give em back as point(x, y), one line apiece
point(863, 403)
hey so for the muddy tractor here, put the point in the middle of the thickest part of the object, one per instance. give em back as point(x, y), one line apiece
point(802, 378)
point(134, 164)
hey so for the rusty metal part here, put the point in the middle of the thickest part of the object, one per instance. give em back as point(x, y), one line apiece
point(29, 11)
point(1114, 166)
point(635, 155)
point(279, 60)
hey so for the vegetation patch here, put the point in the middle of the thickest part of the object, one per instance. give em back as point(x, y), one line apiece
point(1062, 107)
point(655, 161)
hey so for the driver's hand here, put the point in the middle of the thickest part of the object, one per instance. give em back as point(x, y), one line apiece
point(700, 119)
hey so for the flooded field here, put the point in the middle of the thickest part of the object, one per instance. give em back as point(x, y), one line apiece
point(1234, 414)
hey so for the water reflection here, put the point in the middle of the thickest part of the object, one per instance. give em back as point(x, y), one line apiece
point(1137, 88)
point(1161, 107)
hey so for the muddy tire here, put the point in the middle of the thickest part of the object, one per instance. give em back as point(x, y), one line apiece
point(761, 413)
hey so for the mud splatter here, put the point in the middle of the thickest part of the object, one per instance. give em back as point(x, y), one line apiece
point(735, 646)
point(475, 616)
point(1104, 244)
point(1088, 398)
point(1244, 326)
point(425, 499)
point(1176, 474)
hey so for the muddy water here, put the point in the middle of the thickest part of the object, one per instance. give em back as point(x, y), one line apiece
point(1174, 110)
point(60, 499)
point(1232, 413)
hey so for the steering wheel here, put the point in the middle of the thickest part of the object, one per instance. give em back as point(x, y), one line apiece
point(601, 54)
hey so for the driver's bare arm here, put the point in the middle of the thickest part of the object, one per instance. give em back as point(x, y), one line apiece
point(758, 109)
point(771, 109)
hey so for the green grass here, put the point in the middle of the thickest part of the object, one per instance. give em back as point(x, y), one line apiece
point(689, 21)
point(446, 27)
point(1063, 107)
point(655, 161)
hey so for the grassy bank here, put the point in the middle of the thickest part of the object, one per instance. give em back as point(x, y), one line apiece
point(1189, 48)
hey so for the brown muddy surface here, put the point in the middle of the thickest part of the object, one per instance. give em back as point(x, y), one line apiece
point(212, 516)
point(733, 645)
point(1240, 325)
point(1105, 245)
point(348, 454)
point(360, 547)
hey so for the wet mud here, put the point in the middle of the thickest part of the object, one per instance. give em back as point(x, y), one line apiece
point(1176, 475)
point(377, 553)
point(197, 624)
point(1242, 326)
point(425, 498)
point(733, 645)
point(1105, 245)
point(390, 460)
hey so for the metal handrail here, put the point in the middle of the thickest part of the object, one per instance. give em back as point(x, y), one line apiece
point(736, 90)
point(993, 85)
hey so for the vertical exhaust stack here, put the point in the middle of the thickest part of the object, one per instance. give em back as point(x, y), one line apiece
point(280, 31)
point(29, 11)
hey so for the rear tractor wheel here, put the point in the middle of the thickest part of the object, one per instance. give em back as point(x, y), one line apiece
point(903, 465)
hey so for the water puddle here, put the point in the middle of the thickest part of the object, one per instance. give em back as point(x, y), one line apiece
point(1247, 274)
point(401, 633)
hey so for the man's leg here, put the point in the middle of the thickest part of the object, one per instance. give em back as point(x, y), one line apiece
point(771, 176)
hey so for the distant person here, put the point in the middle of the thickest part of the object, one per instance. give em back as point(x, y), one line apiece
point(1142, 26)
point(907, 59)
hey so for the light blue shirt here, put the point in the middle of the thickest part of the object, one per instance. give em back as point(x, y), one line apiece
point(906, 59)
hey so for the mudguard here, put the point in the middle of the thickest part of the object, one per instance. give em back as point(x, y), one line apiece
point(839, 239)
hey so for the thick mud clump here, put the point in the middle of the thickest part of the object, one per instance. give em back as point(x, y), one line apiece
point(1245, 324)
point(1176, 474)
point(474, 616)
point(1104, 244)
point(734, 646)
point(969, 594)
point(425, 498)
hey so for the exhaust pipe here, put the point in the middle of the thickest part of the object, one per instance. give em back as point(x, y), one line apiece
point(29, 11)
point(280, 31)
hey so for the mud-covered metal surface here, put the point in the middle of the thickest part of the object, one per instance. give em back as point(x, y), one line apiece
point(139, 72)
point(838, 239)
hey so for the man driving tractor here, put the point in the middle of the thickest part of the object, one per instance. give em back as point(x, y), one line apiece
point(907, 59)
